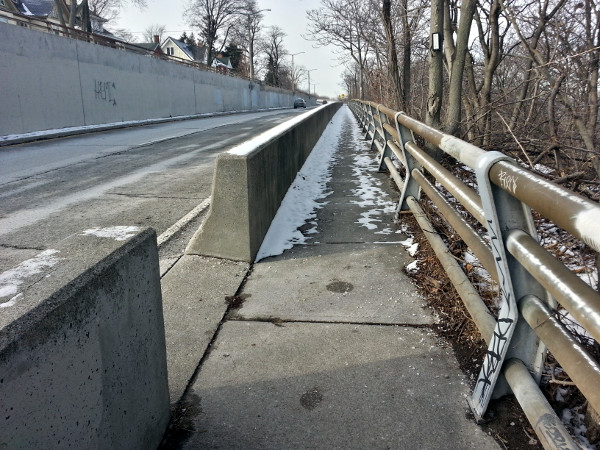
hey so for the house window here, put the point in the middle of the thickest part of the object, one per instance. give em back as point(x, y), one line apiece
point(170, 51)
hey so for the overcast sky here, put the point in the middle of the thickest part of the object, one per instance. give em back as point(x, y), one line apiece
point(290, 15)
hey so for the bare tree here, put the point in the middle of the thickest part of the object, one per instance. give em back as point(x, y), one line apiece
point(566, 56)
point(110, 9)
point(123, 34)
point(488, 56)
point(247, 30)
point(107, 9)
point(274, 49)
point(215, 19)
point(342, 23)
point(154, 30)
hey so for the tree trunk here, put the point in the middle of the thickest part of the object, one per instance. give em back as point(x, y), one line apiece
point(73, 13)
point(59, 11)
point(392, 56)
point(436, 74)
point(406, 54)
point(453, 118)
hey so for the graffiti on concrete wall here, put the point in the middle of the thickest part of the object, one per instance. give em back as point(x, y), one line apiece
point(105, 91)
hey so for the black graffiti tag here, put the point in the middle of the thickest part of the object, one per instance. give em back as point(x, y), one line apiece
point(105, 91)
point(502, 332)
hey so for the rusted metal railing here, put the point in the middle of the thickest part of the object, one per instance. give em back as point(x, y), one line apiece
point(532, 282)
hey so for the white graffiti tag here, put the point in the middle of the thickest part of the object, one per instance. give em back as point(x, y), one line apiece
point(509, 182)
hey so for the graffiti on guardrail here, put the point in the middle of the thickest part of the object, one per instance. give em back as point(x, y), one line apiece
point(549, 428)
point(503, 331)
point(105, 91)
point(496, 220)
point(509, 182)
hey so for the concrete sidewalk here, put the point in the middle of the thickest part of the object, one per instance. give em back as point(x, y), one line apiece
point(329, 345)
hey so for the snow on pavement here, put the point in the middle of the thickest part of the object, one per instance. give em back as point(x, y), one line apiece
point(11, 280)
point(301, 202)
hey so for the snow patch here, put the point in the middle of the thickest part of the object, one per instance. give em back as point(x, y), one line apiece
point(302, 198)
point(586, 223)
point(262, 139)
point(541, 168)
point(118, 233)
point(413, 249)
point(12, 279)
point(369, 192)
point(413, 267)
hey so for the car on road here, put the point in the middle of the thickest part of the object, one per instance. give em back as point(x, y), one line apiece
point(299, 103)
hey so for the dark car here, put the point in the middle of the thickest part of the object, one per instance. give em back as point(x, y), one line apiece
point(299, 103)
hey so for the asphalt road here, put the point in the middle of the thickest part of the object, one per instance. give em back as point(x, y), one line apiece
point(149, 176)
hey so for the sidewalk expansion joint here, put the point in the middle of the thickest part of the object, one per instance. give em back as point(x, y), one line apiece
point(281, 322)
point(179, 404)
point(177, 258)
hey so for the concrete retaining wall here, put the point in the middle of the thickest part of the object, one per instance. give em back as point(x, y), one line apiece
point(82, 347)
point(251, 181)
point(51, 82)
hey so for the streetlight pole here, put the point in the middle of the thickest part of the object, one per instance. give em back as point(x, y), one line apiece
point(308, 72)
point(293, 74)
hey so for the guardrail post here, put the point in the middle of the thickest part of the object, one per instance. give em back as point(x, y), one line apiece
point(503, 213)
point(362, 115)
point(370, 125)
point(411, 187)
point(387, 151)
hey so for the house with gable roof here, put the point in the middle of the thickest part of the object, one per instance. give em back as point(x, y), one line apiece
point(195, 53)
point(222, 64)
point(187, 52)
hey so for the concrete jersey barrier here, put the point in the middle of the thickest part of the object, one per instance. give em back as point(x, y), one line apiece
point(82, 345)
point(249, 183)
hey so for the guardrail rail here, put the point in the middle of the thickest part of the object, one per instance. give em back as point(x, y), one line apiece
point(532, 282)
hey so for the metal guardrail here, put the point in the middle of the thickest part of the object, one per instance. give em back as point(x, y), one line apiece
point(531, 281)
point(39, 24)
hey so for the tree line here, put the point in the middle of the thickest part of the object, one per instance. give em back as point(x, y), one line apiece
point(519, 76)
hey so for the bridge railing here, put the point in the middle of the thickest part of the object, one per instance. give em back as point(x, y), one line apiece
point(531, 281)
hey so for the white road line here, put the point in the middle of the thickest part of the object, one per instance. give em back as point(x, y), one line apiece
point(168, 234)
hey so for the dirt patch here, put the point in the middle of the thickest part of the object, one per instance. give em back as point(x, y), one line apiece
point(340, 287)
point(236, 301)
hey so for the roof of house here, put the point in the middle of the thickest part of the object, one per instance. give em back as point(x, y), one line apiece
point(193, 52)
point(222, 61)
point(45, 8)
point(40, 8)
point(151, 46)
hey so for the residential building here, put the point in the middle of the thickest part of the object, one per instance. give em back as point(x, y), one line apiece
point(187, 52)
point(153, 47)
point(46, 10)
